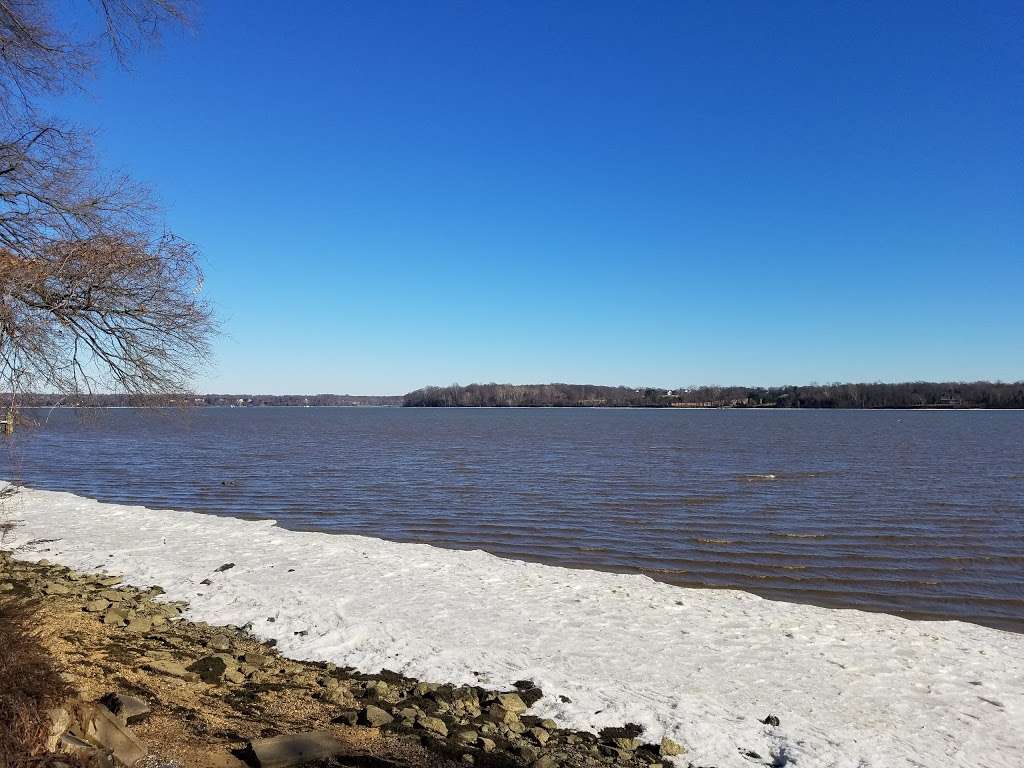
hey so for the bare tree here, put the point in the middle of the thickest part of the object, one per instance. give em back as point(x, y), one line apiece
point(94, 292)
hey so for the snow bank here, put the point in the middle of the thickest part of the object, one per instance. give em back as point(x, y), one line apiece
point(705, 666)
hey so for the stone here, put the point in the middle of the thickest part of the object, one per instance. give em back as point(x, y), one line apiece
point(670, 748)
point(210, 669)
point(295, 749)
point(539, 735)
point(127, 709)
point(621, 755)
point(348, 717)
point(60, 721)
point(97, 605)
point(374, 716)
point(115, 616)
point(549, 724)
point(56, 588)
point(466, 736)
point(468, 758)
point(512, 702)
point(545, 761)
point(487, 745)
point(225, 567)
point(6, 587)
point(140, 625)
point(102, 728)
point(409, 714)
point(498, 714)
point(220, 642)
point(255, 659)
point(113, 595)
point(626, 744)
point(432, 724)
point(528, 753)
point(771, 720)
point(234, 676)
point(531, 696)
point(170, 668)
point(69, 744)
point(167, 610)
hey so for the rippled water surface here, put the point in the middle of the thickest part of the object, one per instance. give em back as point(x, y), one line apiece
point(917, 513)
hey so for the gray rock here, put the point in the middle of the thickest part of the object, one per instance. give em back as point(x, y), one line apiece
point(220, 642)
point(375, 717)
point(210, 669)
point(115, 616)
point(432, 724)
point(127, 709)
point(626, 744)
point(670, 748)
point(348, 717)
point(487, 745)
point(409, 714)
point(466, 736)
point(256, 659)
point(528, 753)
point(499, 714)
point(97, 605)
point(170, 668)
point(56, 588)
point(539, 735)
point(102, 728)
point(513, 702)
point(295, 749)
point(140, 625)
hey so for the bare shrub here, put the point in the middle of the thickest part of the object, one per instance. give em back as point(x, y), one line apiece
point(30, 685)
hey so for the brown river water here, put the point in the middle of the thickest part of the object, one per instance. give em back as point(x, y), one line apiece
point(919, 513)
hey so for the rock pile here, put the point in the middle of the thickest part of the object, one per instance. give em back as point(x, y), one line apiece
point(97, 733)
point(468, 724)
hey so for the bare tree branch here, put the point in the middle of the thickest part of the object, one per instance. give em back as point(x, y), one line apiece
point(94, 292)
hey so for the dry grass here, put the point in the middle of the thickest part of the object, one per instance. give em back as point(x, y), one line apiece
point(30, 684)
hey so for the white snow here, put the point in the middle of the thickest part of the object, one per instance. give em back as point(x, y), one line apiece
point(851, 688)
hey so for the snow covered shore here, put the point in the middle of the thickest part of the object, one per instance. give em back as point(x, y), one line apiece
point(703, 666)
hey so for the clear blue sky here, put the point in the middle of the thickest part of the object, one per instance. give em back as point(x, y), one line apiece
point(394, 194)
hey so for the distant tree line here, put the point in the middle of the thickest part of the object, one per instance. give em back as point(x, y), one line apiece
point(177, 401)
point(918, 394)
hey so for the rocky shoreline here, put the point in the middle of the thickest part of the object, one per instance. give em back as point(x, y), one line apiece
point(154, 689)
